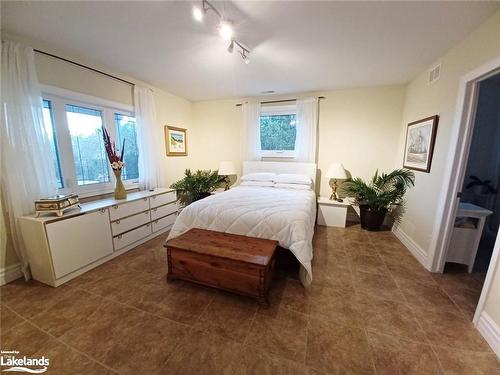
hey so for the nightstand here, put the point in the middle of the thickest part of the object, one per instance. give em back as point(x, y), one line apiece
point(332, 213)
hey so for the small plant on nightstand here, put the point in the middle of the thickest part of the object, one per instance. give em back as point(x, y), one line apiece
point(383, 193)
point(197, 185)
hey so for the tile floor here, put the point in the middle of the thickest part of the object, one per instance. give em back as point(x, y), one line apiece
point(372, 309)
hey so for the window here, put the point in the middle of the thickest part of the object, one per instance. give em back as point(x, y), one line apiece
point(278, 131)
point(125, 127)
point(74, 125)
point(91, 162)
point(49, 128)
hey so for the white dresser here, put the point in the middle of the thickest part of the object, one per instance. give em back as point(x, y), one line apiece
point(61, 248)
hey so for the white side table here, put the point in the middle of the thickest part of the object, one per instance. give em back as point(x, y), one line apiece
point(469, 224)
point(332, 213)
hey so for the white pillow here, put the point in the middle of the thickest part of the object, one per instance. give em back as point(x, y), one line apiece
point(257, 183)
point(293, 186)
point(290, 178)
point(259, 177)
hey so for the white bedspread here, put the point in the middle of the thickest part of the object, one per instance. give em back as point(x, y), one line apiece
point(284, 215)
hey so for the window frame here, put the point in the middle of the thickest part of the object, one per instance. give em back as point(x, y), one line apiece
point(276, 110)
point(59, 98)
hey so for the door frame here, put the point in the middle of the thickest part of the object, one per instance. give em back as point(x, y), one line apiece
point(460, 140)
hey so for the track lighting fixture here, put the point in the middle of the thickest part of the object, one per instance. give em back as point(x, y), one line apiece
point(225, 29)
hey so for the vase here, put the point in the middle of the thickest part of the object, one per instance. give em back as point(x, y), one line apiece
point(120, 192)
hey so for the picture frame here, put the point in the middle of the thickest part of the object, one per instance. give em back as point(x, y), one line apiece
point(175, 141)
point(419, 146)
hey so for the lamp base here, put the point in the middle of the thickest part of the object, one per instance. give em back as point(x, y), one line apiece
point(334, 195)
point(227, 181)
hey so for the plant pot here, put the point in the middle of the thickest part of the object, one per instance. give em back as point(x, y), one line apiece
point(371, 219)
point(120, 192)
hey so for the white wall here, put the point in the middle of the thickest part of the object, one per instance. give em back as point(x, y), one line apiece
point(423, 100)
point(353, 124)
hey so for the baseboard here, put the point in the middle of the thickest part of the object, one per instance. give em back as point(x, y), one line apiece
point(411, 245)
point(490, 331)
point(10, 273)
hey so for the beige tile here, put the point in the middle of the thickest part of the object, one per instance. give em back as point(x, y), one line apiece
point(447, 329)
point(229, 316)
point(377, 286)
point(283, 333)
point(125, 339)
point(31, 298)
point(398, 356)
point(337, 349)
point(389, 317)
point(203, 353)
point(413, 272)
point(254, 361)
point(369, 263)
point(336, 305)
point(425, 296)
point(71, 311)
point(25, 338)
point(461, 362)
point(289, 294)
point(8, 319)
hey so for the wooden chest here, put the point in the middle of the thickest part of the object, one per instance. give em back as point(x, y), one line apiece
point(238, 264)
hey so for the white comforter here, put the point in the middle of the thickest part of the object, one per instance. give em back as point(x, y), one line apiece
point(284, 215)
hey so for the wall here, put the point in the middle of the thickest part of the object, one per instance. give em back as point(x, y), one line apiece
point(170, 109)
point(423, 100)
point(353, 123)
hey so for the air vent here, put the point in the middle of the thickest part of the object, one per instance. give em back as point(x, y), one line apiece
point(434, 74)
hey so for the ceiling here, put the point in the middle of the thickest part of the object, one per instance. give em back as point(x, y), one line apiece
point(296, 46)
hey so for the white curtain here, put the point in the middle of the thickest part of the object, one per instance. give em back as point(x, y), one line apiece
point(26, 161)
point(250, 132)
point(147, 138)
point(307, 129)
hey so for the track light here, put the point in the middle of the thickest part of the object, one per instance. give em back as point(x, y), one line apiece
point(198, 14)
point(225, 30)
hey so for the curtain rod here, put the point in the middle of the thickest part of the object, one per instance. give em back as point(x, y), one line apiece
point(85, 66)
point(278, 101)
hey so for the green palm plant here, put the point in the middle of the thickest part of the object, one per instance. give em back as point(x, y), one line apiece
point(197, 185)
point(383, 192)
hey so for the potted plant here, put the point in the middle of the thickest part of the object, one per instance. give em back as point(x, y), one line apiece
point(197, 185)
point(383, 193)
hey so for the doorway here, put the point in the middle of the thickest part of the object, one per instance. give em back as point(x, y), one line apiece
point(477, 115)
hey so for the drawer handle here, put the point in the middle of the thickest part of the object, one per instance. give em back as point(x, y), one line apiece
point(148, 224)
point(117, 221)
point(102, 210)
point(155, 209)
point(156, 221)
point(119, 236)
point(146, 213)
point(145, 199)
point(154, 197)
point(115, 206)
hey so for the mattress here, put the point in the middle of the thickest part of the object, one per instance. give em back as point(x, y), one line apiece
point(284, 215)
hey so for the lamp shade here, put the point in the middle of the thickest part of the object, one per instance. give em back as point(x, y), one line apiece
point(226, 168)
point(336, 171)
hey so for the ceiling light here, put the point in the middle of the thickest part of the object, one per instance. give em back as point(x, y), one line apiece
point(198, 14)
point(225, 30)
point(230, 49)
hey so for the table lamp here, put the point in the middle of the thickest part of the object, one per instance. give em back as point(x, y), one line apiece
point(226, 169)
point(335, 172)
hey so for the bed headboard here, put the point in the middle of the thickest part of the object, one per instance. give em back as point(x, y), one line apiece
point(308, 169)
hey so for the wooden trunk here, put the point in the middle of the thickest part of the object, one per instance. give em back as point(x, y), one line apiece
point(238, 264)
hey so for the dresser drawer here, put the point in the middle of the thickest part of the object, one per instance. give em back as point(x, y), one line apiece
point(129, 238)
point(123, 225)
point(118, 211)
point(161, 199)
point(164, 222)
point(159, 212)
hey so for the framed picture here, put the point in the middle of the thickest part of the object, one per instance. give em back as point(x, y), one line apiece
point(175, 141)
point(420, 138)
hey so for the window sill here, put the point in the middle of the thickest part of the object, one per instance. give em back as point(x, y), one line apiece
point(277, 156)
point(97, 194)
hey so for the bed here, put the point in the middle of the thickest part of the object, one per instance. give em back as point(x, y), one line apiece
point(285, 215)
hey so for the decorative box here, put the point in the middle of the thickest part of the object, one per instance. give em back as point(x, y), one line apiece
point(57, 204)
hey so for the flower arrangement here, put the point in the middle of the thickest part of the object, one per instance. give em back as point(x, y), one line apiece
point(114, 158)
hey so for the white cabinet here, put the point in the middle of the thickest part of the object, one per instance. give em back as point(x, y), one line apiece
point(332, 213)
point(79, 240)
point(61, 248)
